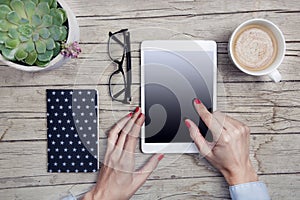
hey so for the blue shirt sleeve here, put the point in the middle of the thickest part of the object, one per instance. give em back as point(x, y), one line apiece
point(249, 191)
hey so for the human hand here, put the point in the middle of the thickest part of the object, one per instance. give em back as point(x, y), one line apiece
point(229, 150)
point(118, 179)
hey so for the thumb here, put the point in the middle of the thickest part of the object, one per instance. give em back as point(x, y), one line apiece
point(143, 173)
point(199, 140)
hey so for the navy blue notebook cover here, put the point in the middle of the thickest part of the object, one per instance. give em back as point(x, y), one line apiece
point(72, 130)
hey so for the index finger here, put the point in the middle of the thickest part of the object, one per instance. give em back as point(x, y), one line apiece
point(208, 118)
point(133, 136)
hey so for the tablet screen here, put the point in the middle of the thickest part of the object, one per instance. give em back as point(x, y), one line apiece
point(172, 79)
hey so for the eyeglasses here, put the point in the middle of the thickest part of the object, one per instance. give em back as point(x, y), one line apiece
point(118, 50)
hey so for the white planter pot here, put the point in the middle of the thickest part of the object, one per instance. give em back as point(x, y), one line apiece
point(73, 35)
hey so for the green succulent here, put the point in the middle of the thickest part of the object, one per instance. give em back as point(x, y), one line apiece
point(31, 31)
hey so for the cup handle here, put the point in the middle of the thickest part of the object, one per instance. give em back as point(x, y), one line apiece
point(275, 76)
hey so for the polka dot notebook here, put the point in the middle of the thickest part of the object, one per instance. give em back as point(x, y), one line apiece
point(72, 130)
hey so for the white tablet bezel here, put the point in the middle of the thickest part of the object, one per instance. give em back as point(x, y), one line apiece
point(175, 45)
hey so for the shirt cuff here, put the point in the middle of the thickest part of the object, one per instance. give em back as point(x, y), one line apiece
point(69, 197)
point(249, 191)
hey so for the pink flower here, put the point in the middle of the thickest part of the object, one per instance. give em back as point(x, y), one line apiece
point(71, 50)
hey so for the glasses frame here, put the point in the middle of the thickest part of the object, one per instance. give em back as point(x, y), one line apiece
point(126, 54)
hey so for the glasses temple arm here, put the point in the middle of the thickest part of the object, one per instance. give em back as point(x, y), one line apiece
point(128, 66)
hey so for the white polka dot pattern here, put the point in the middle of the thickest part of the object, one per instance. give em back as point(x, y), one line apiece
point(72, 130)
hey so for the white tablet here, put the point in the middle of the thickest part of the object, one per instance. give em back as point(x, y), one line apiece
point(173, 73)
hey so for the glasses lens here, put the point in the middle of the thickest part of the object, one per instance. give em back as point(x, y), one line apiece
point(116, 46)
point(117, 86)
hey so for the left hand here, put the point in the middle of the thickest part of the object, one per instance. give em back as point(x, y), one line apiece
point(118, 179)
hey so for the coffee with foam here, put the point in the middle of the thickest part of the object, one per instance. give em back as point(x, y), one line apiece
point(255, 47)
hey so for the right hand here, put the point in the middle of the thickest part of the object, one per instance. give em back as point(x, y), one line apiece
point(229, 151)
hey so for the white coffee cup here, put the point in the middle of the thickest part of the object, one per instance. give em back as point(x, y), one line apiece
point(271, 70)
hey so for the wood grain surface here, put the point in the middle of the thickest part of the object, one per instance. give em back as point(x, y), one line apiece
point(272, 110)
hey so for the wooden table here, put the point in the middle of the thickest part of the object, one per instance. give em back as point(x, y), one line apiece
point(272, 110)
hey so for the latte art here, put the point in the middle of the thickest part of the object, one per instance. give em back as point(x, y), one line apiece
point(255, 48)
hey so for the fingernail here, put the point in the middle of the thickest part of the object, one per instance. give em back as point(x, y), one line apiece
point(187, 123)
point(129, 114)
point(197, 101)
point(160, 157)
point(137, 109)
point(140, 115)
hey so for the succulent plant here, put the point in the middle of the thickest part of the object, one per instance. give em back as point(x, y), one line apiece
point(31, 31)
